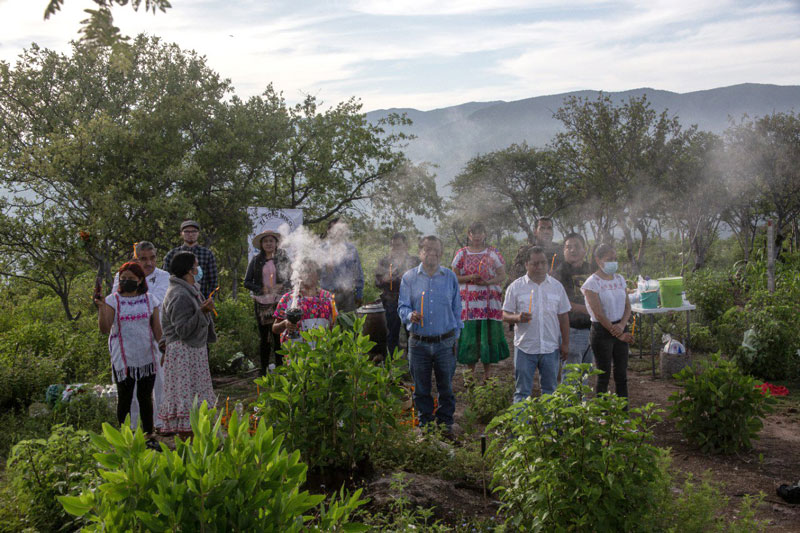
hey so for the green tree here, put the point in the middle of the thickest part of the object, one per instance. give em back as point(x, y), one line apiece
point(697, 197)
point(765, 153)
point(509, 189)
point(99, 30)
point(105, 152)
point(621, 155)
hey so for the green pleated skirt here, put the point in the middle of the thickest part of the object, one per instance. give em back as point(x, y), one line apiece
point(482, 340)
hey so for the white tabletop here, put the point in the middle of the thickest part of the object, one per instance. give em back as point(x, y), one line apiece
point(638, 309)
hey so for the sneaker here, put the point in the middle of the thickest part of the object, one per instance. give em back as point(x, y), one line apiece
point(271, 368)
point(152, 444)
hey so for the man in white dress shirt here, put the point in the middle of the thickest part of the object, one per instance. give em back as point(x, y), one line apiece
point(538, 306)
point(144, 253)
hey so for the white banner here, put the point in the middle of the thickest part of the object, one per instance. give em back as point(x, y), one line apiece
point(283, 221)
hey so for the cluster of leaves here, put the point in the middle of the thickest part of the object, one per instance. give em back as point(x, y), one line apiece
point(719, 408)
point(329, 399)
point(40, 470)
point(567, 463)
point(173, 124)
point(489, 399)
point(213, 482)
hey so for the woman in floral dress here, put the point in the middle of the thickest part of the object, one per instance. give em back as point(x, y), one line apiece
point(481, 272)
point(187, 331)
point(317, 305)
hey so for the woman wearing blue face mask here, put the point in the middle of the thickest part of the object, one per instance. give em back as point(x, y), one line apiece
point(609, 309)
point(188, 329)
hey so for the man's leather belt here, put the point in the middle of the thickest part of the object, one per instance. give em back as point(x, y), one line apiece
point(433, 338)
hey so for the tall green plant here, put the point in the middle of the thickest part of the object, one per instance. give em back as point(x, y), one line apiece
point(564, 463)
point(719, 408)
point(235, 482)
point(40, 470)
point(331, 402)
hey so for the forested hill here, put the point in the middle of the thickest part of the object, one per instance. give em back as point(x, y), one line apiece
point(449, 137)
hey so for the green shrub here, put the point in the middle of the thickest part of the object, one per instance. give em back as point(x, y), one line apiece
point(85, 411)
point(490, 399)
point(411, 450)
point(330, 400)
point(241, 482)
point(711, 292)
point(564, 463)
point(24, 378)
point(719, 408)
point(775, 320)
point(703, 340)
point(730, 328)
point(41, 470)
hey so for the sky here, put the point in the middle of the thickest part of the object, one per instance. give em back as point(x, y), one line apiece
point(428, 54)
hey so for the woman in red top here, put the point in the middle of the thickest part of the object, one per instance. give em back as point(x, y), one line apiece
point(316, 304)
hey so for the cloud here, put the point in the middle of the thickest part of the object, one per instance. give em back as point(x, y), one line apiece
point(425, 53)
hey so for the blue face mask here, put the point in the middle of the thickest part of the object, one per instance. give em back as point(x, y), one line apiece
point(610, 267)
point(199, 275)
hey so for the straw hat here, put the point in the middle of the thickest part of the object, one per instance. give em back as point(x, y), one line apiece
point(257, 238)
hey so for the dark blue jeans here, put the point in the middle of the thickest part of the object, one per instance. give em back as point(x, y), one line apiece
point(438, 358)
point(392, 325)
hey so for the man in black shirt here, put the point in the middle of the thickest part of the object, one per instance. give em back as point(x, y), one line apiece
point(572, 273)
point(544, 238)
point(388, 275)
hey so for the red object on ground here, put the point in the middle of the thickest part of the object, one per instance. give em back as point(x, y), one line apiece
point(774, 390)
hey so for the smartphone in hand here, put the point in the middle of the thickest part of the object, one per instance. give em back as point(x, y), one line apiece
point(98, 287)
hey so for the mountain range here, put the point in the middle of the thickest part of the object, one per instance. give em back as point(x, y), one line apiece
point(451, 136)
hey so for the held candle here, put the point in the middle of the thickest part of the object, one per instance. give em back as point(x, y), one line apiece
point(422, 310)
point(553, 262)
point(530, 305)
point(633, 328)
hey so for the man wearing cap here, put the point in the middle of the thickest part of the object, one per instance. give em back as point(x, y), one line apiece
point(207, 273)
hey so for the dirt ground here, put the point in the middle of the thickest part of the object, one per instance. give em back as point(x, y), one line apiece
point(774, 459)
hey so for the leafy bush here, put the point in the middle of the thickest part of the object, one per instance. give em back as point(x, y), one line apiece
point(411, 450)
point(330, 400)
point(85, 411)
point(239, 483)
point(490, 399)
point(24, 378)
point(567, 463)
point(699, 507)
point(775, 320)
point(703, 340)
point(719, 408)
point(711, 292)
point(41, 470)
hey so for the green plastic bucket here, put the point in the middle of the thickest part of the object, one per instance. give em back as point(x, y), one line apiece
point(671, 291)
point(650, 300)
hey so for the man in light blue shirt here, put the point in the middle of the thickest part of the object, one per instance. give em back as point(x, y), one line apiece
point(430, 305)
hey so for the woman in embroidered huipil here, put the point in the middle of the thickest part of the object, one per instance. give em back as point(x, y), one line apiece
point(481, 272)
point(316, 304)
point(130, 318)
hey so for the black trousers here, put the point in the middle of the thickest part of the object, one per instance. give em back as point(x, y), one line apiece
point(270, 342)
point(144, 393)
point(393, 324)
point(609, 351)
